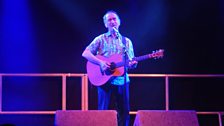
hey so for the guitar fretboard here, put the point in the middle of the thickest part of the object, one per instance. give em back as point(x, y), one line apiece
point(156, 54)
point(140, 58)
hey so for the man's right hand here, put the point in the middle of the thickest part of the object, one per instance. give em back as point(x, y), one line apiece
point(104, 66)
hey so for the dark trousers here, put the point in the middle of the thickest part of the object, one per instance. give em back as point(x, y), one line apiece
point(121, 94)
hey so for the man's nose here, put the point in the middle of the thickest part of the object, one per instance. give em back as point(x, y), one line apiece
point(113, 21)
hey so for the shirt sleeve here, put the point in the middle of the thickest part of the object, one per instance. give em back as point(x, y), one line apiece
point(94, 45)
point(130, 49)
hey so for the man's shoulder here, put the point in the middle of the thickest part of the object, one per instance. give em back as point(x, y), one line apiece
point(100, 36)
point(127, 39)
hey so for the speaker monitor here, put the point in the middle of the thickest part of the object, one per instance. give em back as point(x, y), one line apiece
point(166, 118)
point(86, 118)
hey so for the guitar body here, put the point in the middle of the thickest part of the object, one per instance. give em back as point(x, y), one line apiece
point(97, 77)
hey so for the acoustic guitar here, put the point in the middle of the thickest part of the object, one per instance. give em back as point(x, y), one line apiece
point(98, 77)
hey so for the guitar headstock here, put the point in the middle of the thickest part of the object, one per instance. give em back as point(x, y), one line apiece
point(157, 54)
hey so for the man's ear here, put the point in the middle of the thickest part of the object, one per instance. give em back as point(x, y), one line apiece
point(105, 25)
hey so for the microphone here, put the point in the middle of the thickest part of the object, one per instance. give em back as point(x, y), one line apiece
point(116, 31)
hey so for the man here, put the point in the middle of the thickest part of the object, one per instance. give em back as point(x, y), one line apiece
point(108, 44)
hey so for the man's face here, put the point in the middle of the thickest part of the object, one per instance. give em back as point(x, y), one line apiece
point(112, 20)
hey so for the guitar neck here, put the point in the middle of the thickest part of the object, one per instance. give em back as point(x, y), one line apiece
point(144, 57)
point(140, 58)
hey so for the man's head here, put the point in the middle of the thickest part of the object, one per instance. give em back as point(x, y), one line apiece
point(111, 19)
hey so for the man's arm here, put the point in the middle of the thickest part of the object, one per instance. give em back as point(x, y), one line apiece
point(92, 58)
point(132, 63)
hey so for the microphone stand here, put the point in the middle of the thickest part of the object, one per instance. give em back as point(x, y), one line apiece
point(125, 61)
point(124, 55)
point(125, 77)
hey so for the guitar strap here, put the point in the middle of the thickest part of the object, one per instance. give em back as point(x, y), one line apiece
point(124, 41)
point(125, 58)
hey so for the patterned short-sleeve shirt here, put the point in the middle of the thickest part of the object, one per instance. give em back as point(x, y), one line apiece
point(107, 45)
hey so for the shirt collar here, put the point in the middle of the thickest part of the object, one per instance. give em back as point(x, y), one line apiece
point(108, 34)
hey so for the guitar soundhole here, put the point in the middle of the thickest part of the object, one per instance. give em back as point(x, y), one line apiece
point(111, 69)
